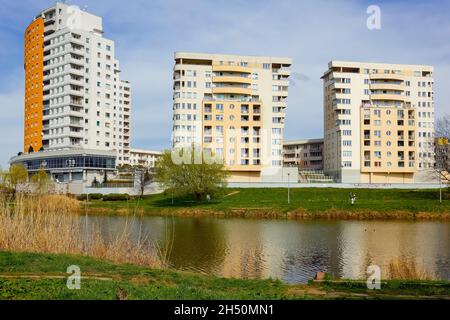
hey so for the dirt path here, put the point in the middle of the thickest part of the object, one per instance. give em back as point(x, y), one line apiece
point(231, 194)
point(51, 276)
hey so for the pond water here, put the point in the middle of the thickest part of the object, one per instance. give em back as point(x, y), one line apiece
point(290, 250)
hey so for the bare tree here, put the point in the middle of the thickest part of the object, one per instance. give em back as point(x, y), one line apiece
point(442, 148)
point(143, 177)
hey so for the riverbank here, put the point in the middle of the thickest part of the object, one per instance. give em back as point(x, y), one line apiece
point(308, 203)
point(43, 276)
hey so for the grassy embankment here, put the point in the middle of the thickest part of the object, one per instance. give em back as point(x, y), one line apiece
point(43, 276)
point(305, 203)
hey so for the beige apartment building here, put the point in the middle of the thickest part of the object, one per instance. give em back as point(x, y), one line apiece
point(378, 122)
point(144, 158)
point(233, 108)
point(305, 154)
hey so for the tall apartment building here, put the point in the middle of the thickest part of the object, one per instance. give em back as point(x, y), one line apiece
point(305, 154)
point(74, 97)
point(378, 122)
point(233, 107)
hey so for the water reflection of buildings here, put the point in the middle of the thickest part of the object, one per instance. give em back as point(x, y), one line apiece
point(290, 250)
point(245, 256)
point(344, 249)
point(383, 242)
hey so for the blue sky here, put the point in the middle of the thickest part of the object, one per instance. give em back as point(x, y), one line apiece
point(311, 32)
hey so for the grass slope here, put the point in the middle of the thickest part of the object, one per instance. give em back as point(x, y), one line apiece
point(42, 276)
point(313, 202)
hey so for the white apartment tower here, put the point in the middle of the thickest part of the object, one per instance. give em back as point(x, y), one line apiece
point(378, 122)
point(233, 107)
point(74, 96)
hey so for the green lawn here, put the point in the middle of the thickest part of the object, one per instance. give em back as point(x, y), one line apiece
point(42, 276)
point(309, 200)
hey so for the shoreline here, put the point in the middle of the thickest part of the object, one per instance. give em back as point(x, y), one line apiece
point(305, 204)
point(269, 214)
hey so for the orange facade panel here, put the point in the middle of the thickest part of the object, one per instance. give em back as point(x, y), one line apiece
point(33, 65)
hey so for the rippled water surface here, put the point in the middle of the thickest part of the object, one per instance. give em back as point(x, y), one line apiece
point(292, 251)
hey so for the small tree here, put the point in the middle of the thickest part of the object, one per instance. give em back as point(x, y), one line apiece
point(143, 177)
point(196, 179)
point(41, 180)
point(442, 148)
point(16, 176)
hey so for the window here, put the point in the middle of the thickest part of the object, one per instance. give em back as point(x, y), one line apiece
point(347, 153)
point(266, 65)
point(347, 164)
point(347, 143)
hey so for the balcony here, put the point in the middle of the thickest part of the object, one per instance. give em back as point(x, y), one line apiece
point(244, 110)
point(387, 86)
point(387, 76)
point(230, 68)
point(232, 90)
point(282, 71)
point(389, 97)
point(231, 79)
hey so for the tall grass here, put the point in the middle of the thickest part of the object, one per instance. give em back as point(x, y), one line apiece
point(408, 270)
point(51, 224)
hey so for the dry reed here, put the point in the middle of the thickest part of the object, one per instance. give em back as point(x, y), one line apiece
point(408, 270)
point(52, 224)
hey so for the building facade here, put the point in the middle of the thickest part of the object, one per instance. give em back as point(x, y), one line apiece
point(232, 108)
point(71, 167)
point(145, 158)
point(304, 154)
point(74, 97)
point(378, 122)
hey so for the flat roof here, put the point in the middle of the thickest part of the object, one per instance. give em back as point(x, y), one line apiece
point(380, 65)
point(217, 56)
point(62, 153)
point(303, 141)
point(145, 151)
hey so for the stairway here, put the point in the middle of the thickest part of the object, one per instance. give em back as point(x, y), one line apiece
point(314, 176)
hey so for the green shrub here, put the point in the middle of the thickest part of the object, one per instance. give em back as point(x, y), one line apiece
point(116, 197)
point(95, 196)
point(82, 197)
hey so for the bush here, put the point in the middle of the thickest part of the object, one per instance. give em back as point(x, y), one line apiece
point(82, 197)
point(95, 196)
point(116, 197)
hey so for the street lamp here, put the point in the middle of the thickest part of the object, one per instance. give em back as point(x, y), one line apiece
point(289, 190)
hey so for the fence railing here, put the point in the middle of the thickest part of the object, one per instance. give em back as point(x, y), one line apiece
point(113, 185)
